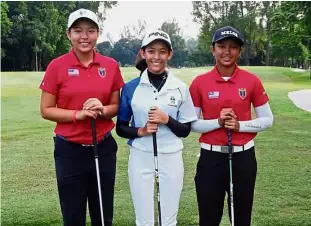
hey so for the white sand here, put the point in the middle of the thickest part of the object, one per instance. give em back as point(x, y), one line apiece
point(301, 98)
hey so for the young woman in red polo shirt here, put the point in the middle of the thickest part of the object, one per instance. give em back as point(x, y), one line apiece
point(78, 86)
point(224, 95)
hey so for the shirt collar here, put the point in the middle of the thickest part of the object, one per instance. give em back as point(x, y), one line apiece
point(171, 81)
point(233, 76)
point(75, 61)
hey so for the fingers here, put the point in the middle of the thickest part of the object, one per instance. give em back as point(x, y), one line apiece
point(228, 112)
point(92, 114)
point(151, 127)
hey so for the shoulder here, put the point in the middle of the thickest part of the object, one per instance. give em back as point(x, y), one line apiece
point(250, 76)
point(106, 60)
point(59, 61)
point(201, 78)
point(131, 85)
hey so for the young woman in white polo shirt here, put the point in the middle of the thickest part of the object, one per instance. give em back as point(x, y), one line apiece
point(174, 111)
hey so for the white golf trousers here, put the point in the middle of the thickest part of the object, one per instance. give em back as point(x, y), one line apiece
point(142, 183)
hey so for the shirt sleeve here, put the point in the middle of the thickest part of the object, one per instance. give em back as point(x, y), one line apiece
point(125, 112)
point(186, 111)
point(195, 95)
point(50, 82)
point(118, 81)
point(259, 96)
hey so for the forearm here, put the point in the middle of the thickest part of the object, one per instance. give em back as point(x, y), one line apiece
point(178, 128)
point(110, 111)
point(263, 121)
point(57, 114)
point(255, 125)
point(204, 126)
point(124, 130)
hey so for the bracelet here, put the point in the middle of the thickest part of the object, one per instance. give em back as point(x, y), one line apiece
point(74, 119)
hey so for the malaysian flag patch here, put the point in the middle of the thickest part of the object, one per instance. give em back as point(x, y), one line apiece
point(213, 94)
point(73, 72)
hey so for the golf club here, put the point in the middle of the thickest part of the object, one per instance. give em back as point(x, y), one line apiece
point(230, 171)
point(93, 124)
point(155, 152)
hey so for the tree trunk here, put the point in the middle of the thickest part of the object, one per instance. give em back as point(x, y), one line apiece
point(36, 50)
point(268, 45)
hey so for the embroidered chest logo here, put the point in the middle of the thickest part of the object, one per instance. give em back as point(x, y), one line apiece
point(102, 72)
point(73, 72)
point(172, 102)
point(242, 93)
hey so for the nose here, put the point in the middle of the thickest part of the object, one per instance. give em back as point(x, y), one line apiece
point(157, 55)
point(84, 34)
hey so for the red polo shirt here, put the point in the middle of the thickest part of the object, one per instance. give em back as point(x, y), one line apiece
point(72, 83)
point(211, 93)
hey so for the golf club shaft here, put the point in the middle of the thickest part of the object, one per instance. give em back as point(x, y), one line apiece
point(93, 124)
point(155, 151)
point(230, 172)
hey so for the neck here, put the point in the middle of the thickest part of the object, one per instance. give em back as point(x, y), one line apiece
point(85, 58)
point(225, 71)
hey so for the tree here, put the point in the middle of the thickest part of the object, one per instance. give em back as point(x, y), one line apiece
point(6, 24)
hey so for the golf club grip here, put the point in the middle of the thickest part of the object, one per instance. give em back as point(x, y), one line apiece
point(155, 146)
point(229, 141)
point(93, 124)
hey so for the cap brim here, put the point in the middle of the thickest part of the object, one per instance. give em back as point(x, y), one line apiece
point(230, 37)
point(84, 18)
point(159, 39)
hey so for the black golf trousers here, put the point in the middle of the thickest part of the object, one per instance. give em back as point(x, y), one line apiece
point(212, 183)
point(77, 181)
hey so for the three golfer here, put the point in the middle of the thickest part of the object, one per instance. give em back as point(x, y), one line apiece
point(77, 86)
point(171, 119)
point(224, 96)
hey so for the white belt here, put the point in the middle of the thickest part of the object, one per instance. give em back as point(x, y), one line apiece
point(225, 149)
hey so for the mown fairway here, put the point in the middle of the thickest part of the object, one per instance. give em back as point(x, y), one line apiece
point(29, 194)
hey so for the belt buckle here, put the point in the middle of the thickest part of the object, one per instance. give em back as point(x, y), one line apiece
point(87, 145)
point(224, 149)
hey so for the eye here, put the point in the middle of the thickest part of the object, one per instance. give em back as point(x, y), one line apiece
point(163, 52)
point(150, 51)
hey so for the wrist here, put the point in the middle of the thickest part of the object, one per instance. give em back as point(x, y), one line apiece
point(74, 116)
point(140, 131)
point(167, 119)
point(220, 122)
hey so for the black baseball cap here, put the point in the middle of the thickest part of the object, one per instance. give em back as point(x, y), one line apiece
point(227, 32)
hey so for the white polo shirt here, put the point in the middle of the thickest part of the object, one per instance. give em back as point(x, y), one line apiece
point(138, 95)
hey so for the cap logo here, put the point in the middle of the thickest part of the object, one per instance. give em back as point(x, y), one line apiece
point(229, 33)
point(158, 34)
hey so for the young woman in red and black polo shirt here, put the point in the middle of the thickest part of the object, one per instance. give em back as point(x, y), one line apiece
point(77, 86)
point(224, 95)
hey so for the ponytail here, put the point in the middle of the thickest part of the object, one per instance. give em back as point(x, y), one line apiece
point(140, 63)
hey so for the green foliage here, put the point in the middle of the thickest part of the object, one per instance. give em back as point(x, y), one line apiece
point(38, 31)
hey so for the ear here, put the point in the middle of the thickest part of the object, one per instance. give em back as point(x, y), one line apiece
point(171, 53)
point(68, 34)
point(142, 53)
point(212, 50)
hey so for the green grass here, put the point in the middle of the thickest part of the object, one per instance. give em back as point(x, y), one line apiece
point(29, 193)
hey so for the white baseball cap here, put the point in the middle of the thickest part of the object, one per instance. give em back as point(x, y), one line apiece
point(82, 13)
point(156, 35)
